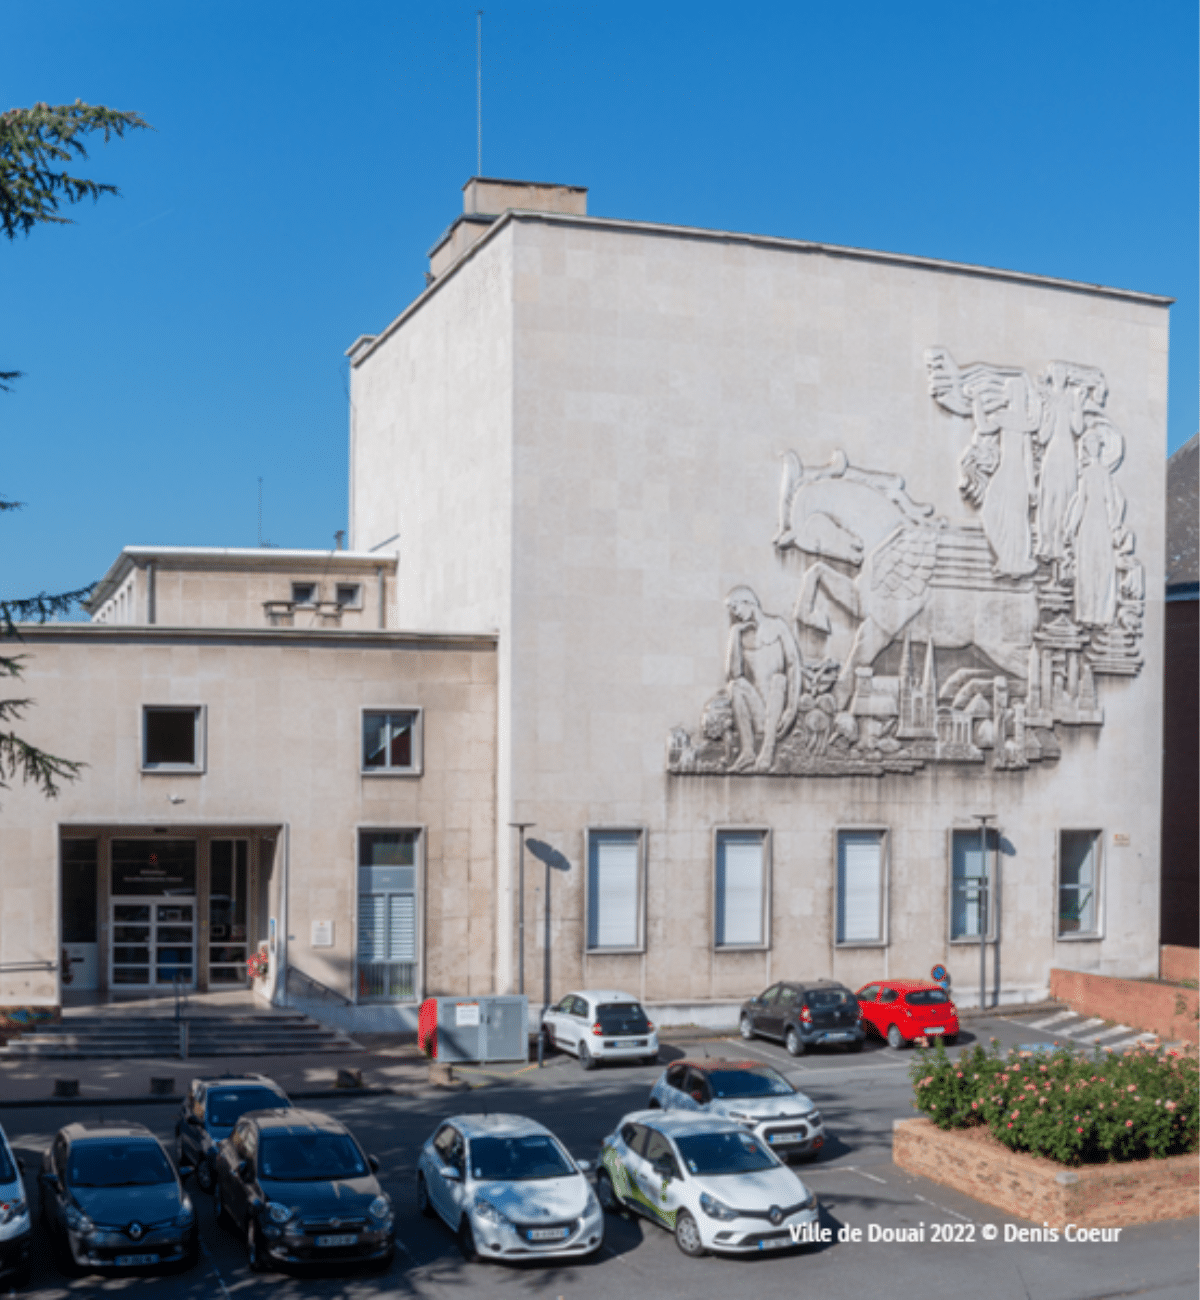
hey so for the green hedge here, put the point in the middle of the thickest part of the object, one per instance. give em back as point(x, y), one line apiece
point(1075, 1109)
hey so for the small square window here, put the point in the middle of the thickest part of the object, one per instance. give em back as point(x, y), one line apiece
point(349, 595)
point(391, 741)
point(172, 739)
point(304, 593)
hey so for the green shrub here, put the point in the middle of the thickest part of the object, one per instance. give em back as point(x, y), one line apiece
point(1075, 1109)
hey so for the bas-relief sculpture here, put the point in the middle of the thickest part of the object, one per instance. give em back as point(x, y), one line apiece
point(993, 628)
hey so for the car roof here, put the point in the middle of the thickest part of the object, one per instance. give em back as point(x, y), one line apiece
point(905, 986)
point(679, 1123)
point(239, 1081)
point(92, 1130)
point(294, 1120)
point(602, 995)
point(720, 1063)
point(812, 984)
point(478, 1126)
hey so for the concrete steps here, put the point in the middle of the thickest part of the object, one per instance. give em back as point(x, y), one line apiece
point(118, 1036)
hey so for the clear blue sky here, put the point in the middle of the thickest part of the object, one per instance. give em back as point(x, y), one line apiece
point(186, 338)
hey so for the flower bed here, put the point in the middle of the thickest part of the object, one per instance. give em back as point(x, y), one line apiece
point(1070, 1108)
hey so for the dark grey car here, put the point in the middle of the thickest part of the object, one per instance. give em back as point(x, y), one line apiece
point(805, 1014)
point(211, 1109)
point(110, 1198)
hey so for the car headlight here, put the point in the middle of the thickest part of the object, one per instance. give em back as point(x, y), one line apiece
point(810, 1203)
point(279, 1213)
point(381, 1208)
point(742, 1118)
point(187, 1213)
point(593, 1206)
point(488, 1212)
point(813, 1117)
point(10, 1210)
point(716, 1209)
point(77, 1221)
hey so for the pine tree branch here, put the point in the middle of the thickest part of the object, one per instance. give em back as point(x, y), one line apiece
point(19, 758)
point(39, 608)
point(8, 378)
point(11, 505)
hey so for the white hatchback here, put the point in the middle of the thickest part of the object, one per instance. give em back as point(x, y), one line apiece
point(508, 1189)
point(601, 1025)
point(707, 1180)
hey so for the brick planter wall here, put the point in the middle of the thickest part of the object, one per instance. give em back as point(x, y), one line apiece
point(1042, 1191)
point(1163, 1009)
point(1175, 963)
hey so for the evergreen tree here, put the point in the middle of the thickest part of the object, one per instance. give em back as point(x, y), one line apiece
point(36, 147)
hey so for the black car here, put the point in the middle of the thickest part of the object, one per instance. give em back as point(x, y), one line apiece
point(211, 1109)
point(302, 1191)
point(803, 1015)
point(110, 1198)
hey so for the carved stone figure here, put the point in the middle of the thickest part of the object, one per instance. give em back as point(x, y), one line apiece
point(763, 668)
point(1067, 391)
point(1095, 513)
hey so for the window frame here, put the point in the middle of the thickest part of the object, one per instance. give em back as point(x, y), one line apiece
point(765, 839)
point(417, 768)
point(313, 602)
point(972, 940)
point(356, 602)
point(199, 735)
point(1088, 936)
point(592, 835)
point(418, 913)
point(885, 881)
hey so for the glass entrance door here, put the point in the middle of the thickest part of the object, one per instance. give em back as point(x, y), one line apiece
point(228, 912)
point(153, 942)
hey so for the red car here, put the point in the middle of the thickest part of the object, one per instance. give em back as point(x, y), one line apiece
point(901, 1010)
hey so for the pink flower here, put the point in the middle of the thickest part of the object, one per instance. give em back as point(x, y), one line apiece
point(1015, 1114)
point(959, 1075)
point(974, 1105)
point(1041, 1101)
point(1129, 1123)
point(1067, 1088)
point(1078, 1130)
point(1010, 1126)
point(1132, 1088)
point(1170, 1105)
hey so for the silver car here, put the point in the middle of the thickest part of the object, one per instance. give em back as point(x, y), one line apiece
point(508, 1189)
point(601, 1025)
point(748, 1092)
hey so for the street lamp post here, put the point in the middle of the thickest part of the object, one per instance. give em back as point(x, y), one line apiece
point(553, 859)
point(522, 827)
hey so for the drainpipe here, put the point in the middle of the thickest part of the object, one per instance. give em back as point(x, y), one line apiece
point(379, 573)
point(151, 594)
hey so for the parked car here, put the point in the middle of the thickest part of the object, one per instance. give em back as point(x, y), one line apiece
point(301, 1190)
point(803, 1015)
point(211, 1109)
point(16, 1223)
point(750, 1092)
point(601, 1025)
point(704, 1178)
point(110, 1198)
point(901, 1010)
point(509, 1189)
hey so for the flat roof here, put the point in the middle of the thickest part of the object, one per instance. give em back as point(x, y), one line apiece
point(360, 351)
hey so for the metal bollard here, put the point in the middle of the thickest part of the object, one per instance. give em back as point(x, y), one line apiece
point(161, 1086)
point(66, 1087)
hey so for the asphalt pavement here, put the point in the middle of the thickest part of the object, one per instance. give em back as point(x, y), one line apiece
point(859, 1188)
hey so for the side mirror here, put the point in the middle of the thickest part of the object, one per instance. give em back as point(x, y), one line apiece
point(373, 1163)
point(186, 1171)
point(51, 1181)
point(698, 1097)
point(584, 1166)
point(451, 1174)
point(664, 1167)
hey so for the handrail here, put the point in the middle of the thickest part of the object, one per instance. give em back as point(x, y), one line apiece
point(322, 990)
point(27, 965)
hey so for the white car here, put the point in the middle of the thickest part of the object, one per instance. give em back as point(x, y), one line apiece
point(712, 1183)
point(508, 1189)
point(750, 1092)
point(16, 1226)
point(601, 1025)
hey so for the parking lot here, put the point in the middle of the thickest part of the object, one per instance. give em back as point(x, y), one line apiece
point(859, 1187)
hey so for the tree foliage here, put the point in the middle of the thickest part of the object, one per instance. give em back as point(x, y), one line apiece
point(36, 147)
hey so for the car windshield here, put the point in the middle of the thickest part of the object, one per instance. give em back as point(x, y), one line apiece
point(928, 998)
point(309, 1157)
point(227, 1105)
point(622, 1018)
point(518, 1159)
point(724, 1153)
point(115, 1163)
point(827, 999)
point(760, 1081)
point(8, 1173)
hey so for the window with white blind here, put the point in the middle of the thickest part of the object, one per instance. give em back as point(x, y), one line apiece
point(388, 932)
point(614, 890)
point(741, 889)
point(1078, 884)
point(973, 868)
point(860, 886)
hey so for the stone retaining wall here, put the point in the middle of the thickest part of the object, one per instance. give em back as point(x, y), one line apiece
point(1043, 1191)
point(1164, 1009)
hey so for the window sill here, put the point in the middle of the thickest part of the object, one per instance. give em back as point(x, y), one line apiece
point(741, 947)
point(1091, 937)
point(390, 771)
point(860, 943)
point(169, 769)
point(614, 952)
point(971, 941)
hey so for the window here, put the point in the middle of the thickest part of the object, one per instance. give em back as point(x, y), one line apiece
point(172, 739)
point(391, 742)
point(741, 889)
point(348, 595)
point(78, 868)
point(304, 593)
point(614, 892)
point(970, 872)
point(387, 916)
point(860, 876)
point(1078, 883)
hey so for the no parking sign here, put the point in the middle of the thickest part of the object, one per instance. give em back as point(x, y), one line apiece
point(940, 975)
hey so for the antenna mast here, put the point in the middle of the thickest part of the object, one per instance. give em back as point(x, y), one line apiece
point(260, 510)
point(479, 92)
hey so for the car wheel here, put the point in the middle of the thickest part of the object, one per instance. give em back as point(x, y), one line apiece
point(466, 1241)
point(895, 1038)
point(190, 1260)
point(424, 1204)
point(746, 1028)
point(64, 1260)
point(22, 1277)
point(687, 1235)
point(384, 1263)
point(793, 1042)
point(254, 1255)
point(606, 1194)
point(949, 1039)
point(205, 1180)
point(586, 1059)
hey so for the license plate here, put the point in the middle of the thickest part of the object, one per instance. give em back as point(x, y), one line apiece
point(129, 1261)
point(776, 1244)
point(936, 1029)
point(784, 1137)
point(548, 1234)
point(627, 1042)
point(342, 1239)
point(838, 1035)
